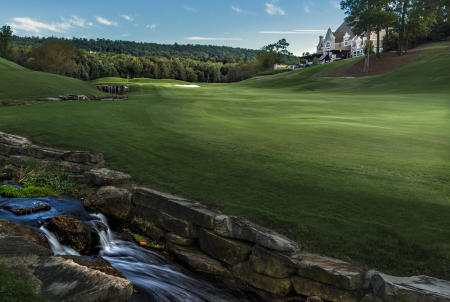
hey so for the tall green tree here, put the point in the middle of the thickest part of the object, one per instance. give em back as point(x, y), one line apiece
point(361, 15)
point(5, 39)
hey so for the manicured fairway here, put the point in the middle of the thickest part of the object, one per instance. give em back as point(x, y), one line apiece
point(353, 168)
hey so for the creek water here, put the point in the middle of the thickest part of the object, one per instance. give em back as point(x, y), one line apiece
point(154, 277)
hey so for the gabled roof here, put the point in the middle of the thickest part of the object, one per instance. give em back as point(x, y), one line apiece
point(329, 35)
point(340, 32)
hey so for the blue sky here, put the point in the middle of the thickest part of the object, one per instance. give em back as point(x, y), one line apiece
point(238, 23)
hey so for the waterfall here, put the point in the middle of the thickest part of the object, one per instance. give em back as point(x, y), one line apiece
point(106, 237)
point(57, 248)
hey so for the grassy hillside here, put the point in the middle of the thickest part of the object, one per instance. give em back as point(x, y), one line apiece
point(20, 84)
point(354, 168)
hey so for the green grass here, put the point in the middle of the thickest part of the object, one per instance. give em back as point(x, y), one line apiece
point(353, 168)
point(18, 84)
point(15, 288)
point(25, 192)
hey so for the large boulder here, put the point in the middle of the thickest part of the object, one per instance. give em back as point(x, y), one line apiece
point(410, 289)
point(75, 234)
point(17, 239)
point(104, 177)
point(240, 228)
point(273, 264)
point(111, 201)
point(64, 280)
point(224, 249)
point(274, 286)
point(331, 271)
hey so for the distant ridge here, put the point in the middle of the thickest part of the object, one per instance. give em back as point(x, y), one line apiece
point(141, 49)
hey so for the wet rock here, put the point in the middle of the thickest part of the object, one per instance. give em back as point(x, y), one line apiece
point(103, 177)
point(176, 206)
point(240, 228)
point(64, 280)
point(176, 239)
point(307, 287)
point(407, 289)
point(331, 271)
point(224, 249)
point(26, 206)
point(75, 234)
point(277, 287)
point(83, 157)
point(96, 263)
point(17, 239)
point(14, 140)
point(197, 261)
point(146, 228)
point(270, 263)
point(111, 201)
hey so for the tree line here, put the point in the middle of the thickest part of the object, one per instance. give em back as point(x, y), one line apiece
point(61, 56)
point(407, 22)
point(142, 49)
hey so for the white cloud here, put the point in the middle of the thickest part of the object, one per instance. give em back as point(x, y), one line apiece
point(126, 17)
point(189, 8)
point(77, 21)
point(211, 39)
point(293, 32)
point(105, 21)
point(307, 9)
point(31, 25)
point(273, 9)
point(237, 9)
point(335, 4)
point(152, 26)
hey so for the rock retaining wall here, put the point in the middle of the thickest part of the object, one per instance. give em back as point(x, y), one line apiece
point(227, 247)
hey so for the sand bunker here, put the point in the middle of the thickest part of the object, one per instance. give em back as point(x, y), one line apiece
point(188, 86)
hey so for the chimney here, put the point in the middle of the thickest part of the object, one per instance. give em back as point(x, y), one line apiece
point(320, 39)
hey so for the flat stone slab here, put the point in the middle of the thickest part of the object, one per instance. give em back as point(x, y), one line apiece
point(104, 177)
point(17, 239)
point(240, 228)
point(176, 206)
point(307, 287)
point(197, 261)
point(406, 289)
point(83, 157)
point(331, 271)
point(26, 206)
point(14, 140)
point(224, 249)
point(275, 286)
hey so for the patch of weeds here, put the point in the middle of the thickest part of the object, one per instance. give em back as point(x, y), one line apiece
point(55, 179)
point(26, 192)
point(144, 241)
point(15, 288)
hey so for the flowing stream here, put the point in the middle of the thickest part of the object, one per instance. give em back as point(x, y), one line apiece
point(154, 277)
